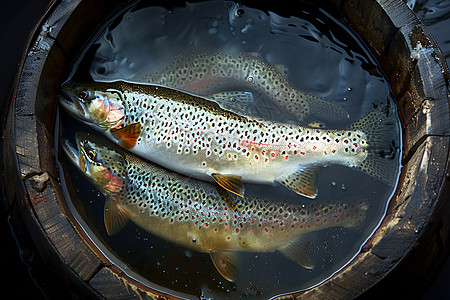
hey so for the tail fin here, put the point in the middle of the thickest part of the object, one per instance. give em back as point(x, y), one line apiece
point(379, 126)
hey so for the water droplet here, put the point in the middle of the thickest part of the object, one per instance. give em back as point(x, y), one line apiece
point(333, 183)
point(345, 98)
point(349, 89)
point(343, 187)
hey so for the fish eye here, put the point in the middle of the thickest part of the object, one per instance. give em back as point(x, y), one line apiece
point(92, 154)
point(84, 95)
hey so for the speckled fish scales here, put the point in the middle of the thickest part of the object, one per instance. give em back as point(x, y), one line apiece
point(198, 216)
point(206, 73)
point(195, 136)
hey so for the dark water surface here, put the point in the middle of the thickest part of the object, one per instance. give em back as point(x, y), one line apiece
point(18, 17)
point(319, 55)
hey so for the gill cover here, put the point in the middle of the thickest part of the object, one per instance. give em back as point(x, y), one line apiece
point(88, 102)
point(105, 164)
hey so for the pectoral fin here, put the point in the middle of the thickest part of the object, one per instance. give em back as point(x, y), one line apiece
point(301, 251)
point(225, 263)
point(303, 182)
point(231, 183)
point(116, 216)
point(128, 135)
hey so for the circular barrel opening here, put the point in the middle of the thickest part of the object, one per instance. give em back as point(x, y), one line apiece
point(416, 215)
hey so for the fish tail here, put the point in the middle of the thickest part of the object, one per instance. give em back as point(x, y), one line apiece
point(379, 127)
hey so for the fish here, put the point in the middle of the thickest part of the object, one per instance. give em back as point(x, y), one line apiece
point(198, 137)
point(211, 71)
point(198, 215)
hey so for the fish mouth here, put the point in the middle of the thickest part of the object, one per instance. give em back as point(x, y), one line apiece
point(72, 153)
point(72, 105)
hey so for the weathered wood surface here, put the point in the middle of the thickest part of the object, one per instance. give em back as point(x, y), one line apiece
point(418, 214)
point(112, 285)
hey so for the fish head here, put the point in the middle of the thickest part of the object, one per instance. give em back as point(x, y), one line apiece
point(94, 103)
point(102, 162)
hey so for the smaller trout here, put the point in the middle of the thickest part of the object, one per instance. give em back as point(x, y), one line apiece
point(196, 215)
point(200, 138)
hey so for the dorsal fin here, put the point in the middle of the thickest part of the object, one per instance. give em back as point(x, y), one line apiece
point(239, 102)
point(128, 135)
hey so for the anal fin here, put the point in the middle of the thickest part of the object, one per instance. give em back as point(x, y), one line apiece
point(303, 182)
point(116, 216)
point(127, 135)
point(225, 263)
point(232, 183)
point(301, 252)
point(226, 197)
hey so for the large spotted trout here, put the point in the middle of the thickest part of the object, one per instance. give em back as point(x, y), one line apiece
point(198, 137)
point(209, 72)
point(197, 215)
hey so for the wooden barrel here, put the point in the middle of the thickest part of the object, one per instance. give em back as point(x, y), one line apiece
point(403, 255)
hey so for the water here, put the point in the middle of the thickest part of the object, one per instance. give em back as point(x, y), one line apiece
point(317, 53)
